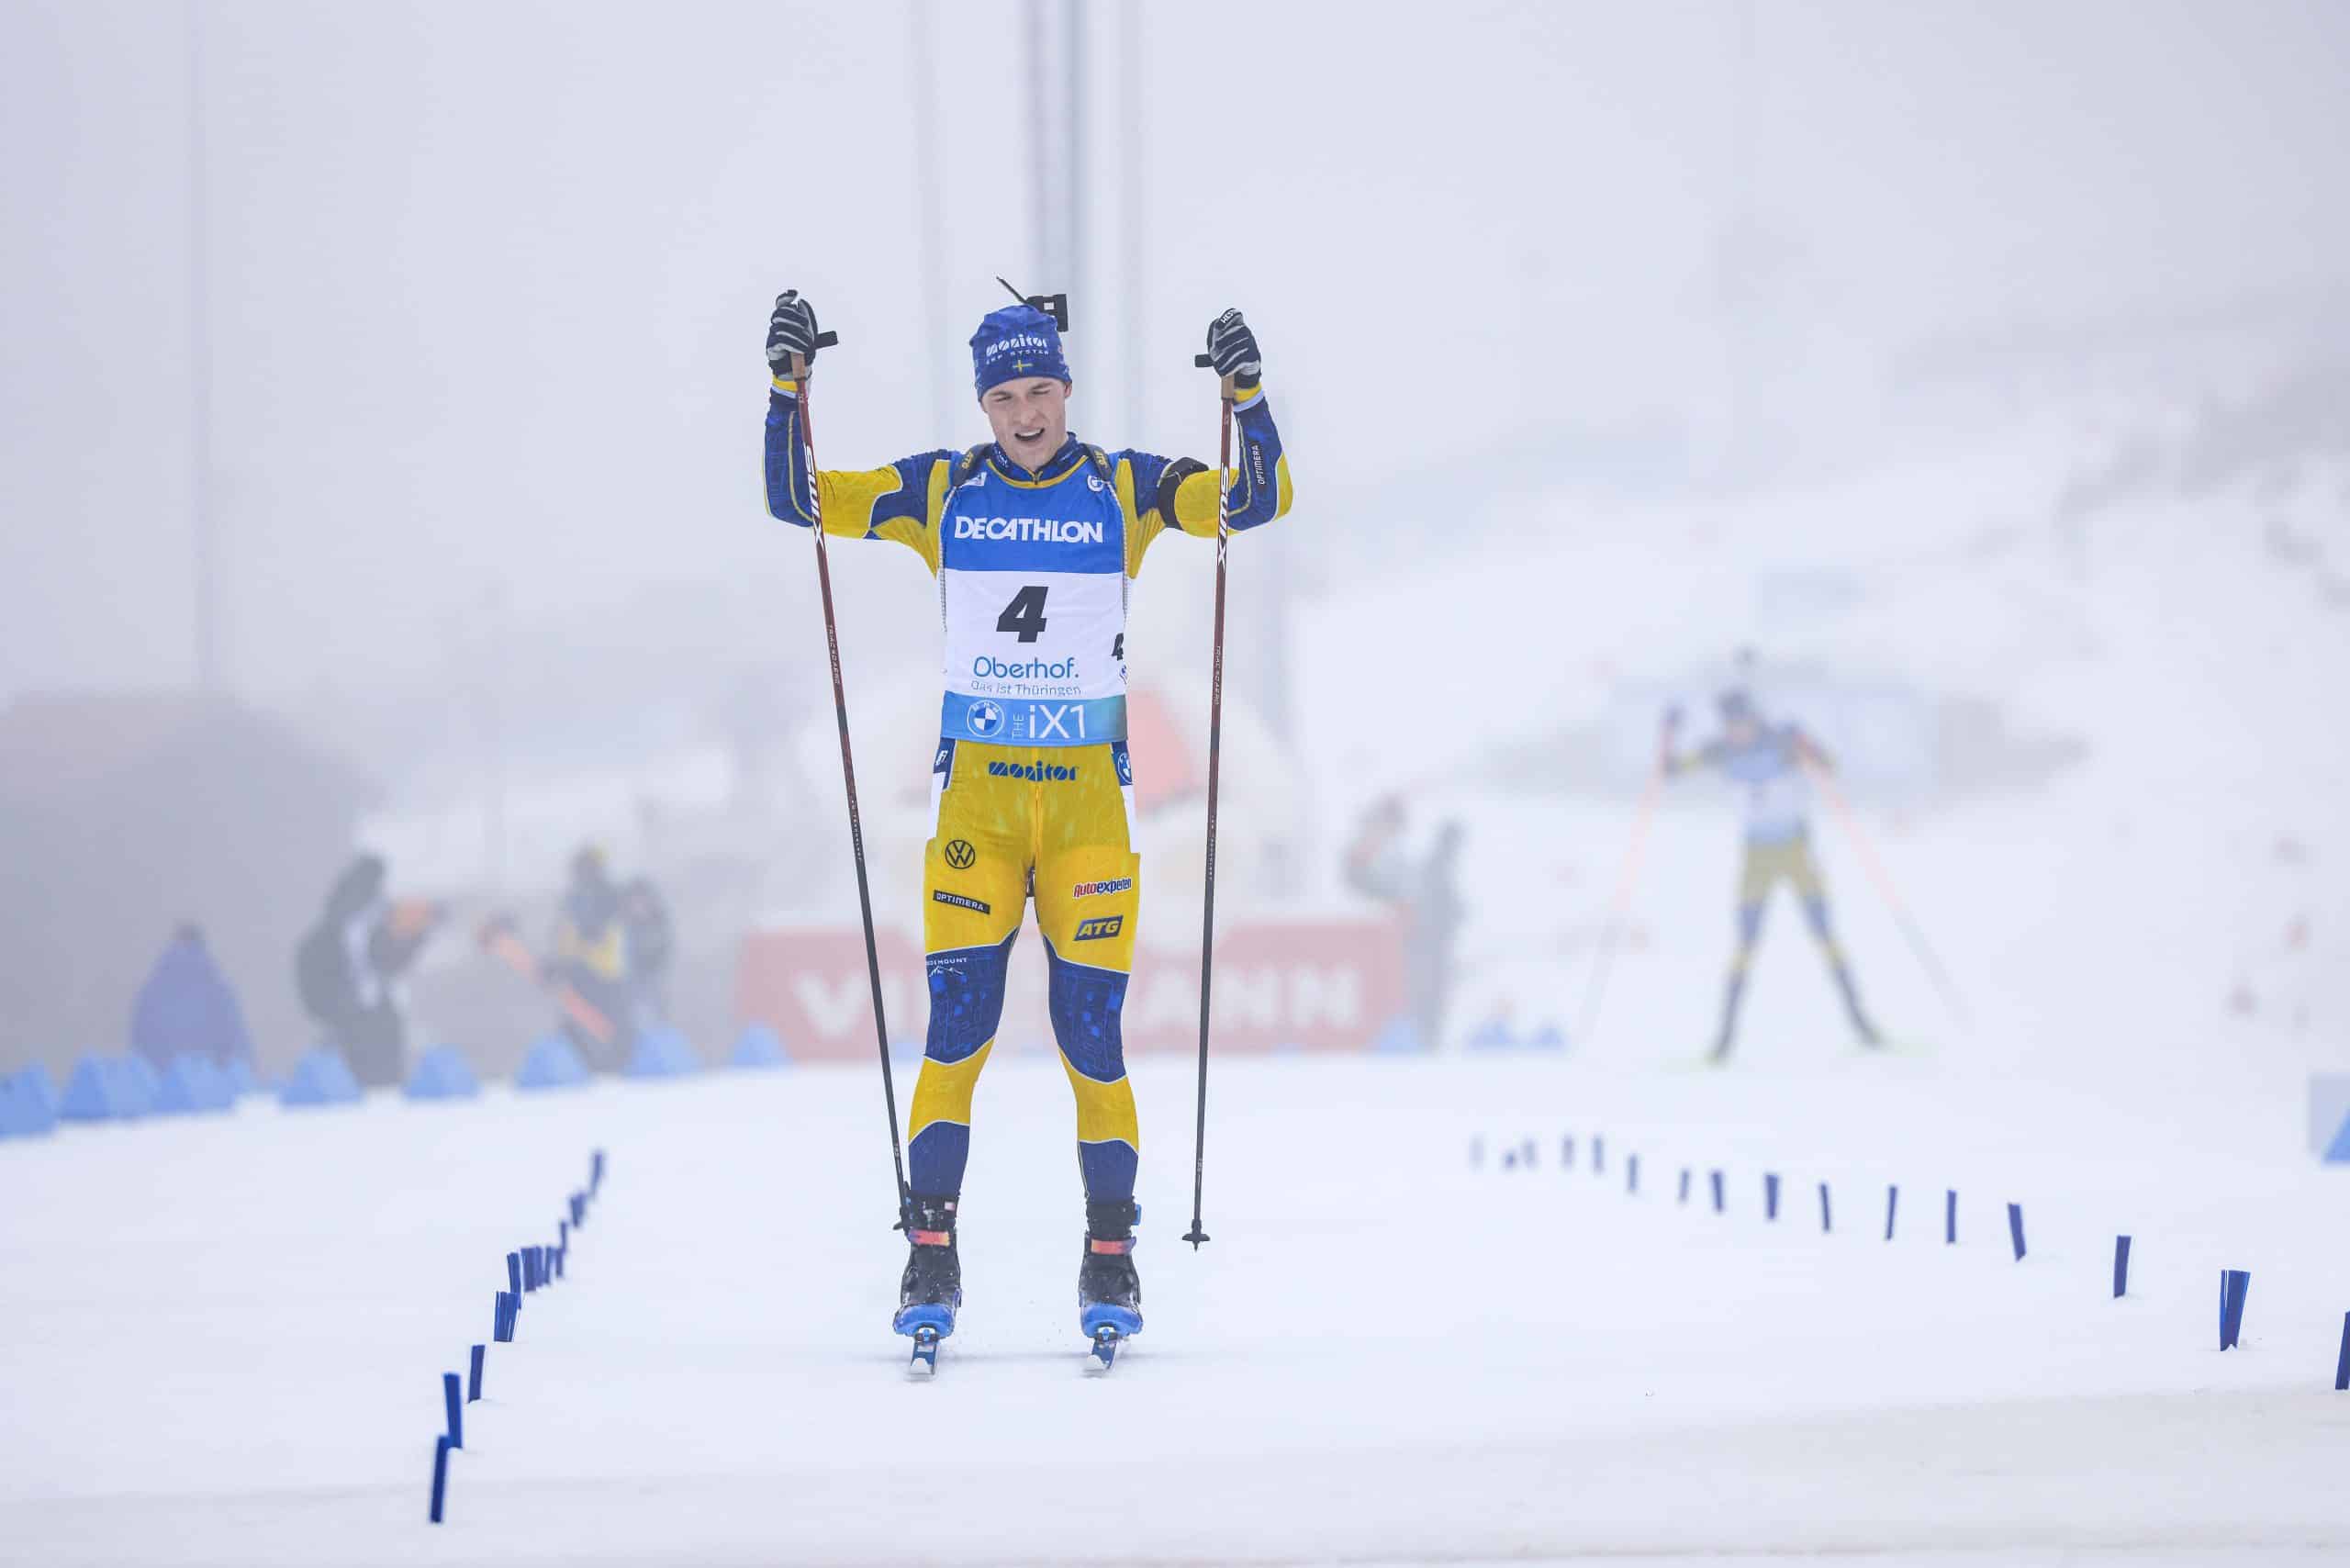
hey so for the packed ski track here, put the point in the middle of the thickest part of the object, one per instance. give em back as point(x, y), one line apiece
point(228, 1349)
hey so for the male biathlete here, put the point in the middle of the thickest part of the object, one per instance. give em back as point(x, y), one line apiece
point(1034, 538)
point(1767, 761)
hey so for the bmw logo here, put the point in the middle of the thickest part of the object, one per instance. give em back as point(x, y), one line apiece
point(987, 719)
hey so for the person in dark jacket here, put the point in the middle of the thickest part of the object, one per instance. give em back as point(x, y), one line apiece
point(1427, 891)
point(652, 945)
point(349, 967)
point(185, 1008)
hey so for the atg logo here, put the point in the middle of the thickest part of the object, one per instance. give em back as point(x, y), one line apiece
point(1101, 927)
point(1091, 890)
point(1035, 772)
point(1029, 529)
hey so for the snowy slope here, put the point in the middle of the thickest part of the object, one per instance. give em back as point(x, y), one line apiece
point(229, 1353)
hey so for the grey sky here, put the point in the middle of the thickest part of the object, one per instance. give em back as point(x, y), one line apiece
point(489, 280)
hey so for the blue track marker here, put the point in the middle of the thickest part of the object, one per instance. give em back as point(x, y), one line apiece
point(2342, 1367)
point(514, 1273)
point(1598, 1154)
point(562, 1234)
point(2120, 1266)
point(502, 1320)
point(1950, 1217)
point(1715, 1178)
point(451, 1398)
point(439, 1474)
point(1684, 1185)
point(1771, 1195)
point(579, 1210)
point(1827, 1220)
point(2234, 1285)
point(473, 1379)
point(1631, 1173)
point(1567, 1152)
point(2015, 1228)
point(1533, 1154)
point(1476, 1153)
point(595, 1171)
point(1892, 1202)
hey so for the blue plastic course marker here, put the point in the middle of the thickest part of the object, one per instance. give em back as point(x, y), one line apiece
point(2120, 1266)
point(1950, 1217)
point(1892, 1203)
point(449, 1396)
point(1769, 1196)
point(1631, 1173)
point(2015, 1228)
point(1827, 1220)
point(514, 1273)
point(1567, 1152)
point(2234, 1285)
point(473, 1378)
point(1598, 1154)
point(440, 1474)
point(1684, 1185)
point(2342, 1367)
point(595, 1170)
point(1715, 1178)
point(499, 1330)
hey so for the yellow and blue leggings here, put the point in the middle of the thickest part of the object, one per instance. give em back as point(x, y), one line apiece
point(1012, 820)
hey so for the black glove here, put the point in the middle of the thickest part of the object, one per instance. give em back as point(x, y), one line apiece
point(1232, 348)
point(790, 331)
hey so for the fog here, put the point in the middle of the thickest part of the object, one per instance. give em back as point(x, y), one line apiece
point(448, 319)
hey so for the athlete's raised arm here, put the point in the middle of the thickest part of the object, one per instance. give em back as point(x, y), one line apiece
point(899, 502)
point(1181, 492)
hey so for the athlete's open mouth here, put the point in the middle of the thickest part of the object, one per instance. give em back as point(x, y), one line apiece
point(1037, 434)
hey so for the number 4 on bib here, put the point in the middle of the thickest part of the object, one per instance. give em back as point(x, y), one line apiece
point(1025, 614)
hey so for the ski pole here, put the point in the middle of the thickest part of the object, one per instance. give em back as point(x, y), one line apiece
point(1215, 749)
point(1597, 986)
point(1915, 937)
point(848, 777)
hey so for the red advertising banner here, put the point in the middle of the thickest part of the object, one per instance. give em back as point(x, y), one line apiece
point(1325, 985)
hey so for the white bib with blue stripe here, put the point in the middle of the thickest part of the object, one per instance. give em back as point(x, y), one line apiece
point(1032, 582)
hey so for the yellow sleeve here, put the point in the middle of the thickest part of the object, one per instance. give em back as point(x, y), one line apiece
point(901, 503)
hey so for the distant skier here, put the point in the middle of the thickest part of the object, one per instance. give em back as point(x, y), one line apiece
point(1767, 761)
point(1036, 539)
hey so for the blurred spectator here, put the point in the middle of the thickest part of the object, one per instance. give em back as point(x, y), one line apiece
point(592, 958)
point(185, 1007)
point(1426, 893)
point(348, 965)
point(652, 945)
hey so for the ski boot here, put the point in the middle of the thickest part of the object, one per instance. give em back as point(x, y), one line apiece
point(932, 1287)
point(1109, 1294)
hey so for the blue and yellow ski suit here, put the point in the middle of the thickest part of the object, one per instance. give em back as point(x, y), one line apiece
point(1031, 784)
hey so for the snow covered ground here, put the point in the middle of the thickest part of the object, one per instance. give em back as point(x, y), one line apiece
point(221, 1340)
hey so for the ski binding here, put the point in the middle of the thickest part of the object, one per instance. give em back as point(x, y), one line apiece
point(927, 1325)
point(1108, 1327)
